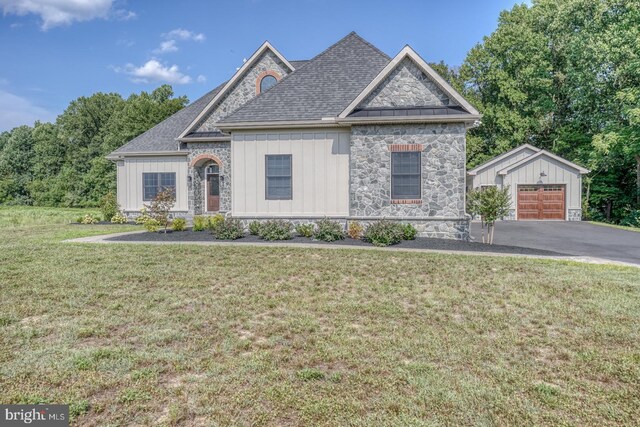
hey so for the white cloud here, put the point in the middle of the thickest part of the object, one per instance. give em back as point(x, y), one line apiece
point(201, 79)
point(182, 34)
point(154, 71)
point(173, 36)
point(17, 111)
point(166, 47)
point(64, 12)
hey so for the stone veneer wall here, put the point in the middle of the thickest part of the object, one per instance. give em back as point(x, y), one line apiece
point(244, 90)
point(222, 150)
point(442, 211)
point(406, 86)
point(575, 215)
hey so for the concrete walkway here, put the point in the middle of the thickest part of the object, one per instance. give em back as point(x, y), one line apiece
point(104, 239)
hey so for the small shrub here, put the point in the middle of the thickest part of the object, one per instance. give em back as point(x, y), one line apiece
point(384, 233)
point(305, 230)
point(328, 231)
point(200, 223)
point(160, 207)
point(254, 228)
point(79, 219)
point(276, 229)
point(109, 205)
point(355, 230)
point(179, 224)
point(310, 374)
point(152, 225)
point(89, 219)
point(215, 220)
point(119, 218)
point(143, 217)
point(631, 218)
point(227, 229)
point(409, 232)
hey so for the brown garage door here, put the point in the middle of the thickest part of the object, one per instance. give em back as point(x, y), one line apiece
point(541, 202)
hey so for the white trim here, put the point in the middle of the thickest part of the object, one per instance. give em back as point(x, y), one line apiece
point(207, 139)
point(540, 154)
point(407, 51)
point(266, 45)
point(442, 118)
point(478, 168)
point(121, 156)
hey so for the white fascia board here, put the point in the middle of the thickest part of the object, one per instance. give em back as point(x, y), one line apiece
point(519, 148)
point(543, 153)
point(407, 51)
point(241, 71)
point(120, 156)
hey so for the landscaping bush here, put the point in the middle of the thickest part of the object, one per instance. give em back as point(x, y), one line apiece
point(200, 223)
point(214, 221)
point(143, 217)
point(631, 218)
point(89, 219)
point(109, 205)
point(254, 228)
point(355, 230)
point(305, 230)
point(384, 233)
point(161, 207)
point(118, 219)
point(276, 229)
point(227, 229)
point(152, 225)
point(328, 231)
point(179, 224)
point(409, 232)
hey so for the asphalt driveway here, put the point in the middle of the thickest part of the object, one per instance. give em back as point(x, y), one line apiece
point(572, 238)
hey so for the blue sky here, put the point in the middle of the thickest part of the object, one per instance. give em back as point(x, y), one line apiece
point(54, 51)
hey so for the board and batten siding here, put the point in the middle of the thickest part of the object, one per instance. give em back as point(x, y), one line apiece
point(556, 173)
point(320, 173)
point(129, 179)
point(489, 175)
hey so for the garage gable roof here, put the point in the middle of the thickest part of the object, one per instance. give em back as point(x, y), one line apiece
point(503, 156)
point(543, 153)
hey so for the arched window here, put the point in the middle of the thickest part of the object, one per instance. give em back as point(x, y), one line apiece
point(267, 82)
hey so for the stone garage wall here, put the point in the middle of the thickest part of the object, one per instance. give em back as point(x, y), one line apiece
point(442, 211)
point(221, 150)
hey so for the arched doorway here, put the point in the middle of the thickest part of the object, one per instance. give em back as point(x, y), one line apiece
point(212, 187)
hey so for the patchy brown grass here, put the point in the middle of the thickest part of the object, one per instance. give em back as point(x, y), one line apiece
point(192, 335)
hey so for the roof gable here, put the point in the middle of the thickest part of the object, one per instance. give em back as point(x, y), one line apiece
point(319, 89)
point(503, 156)
point(406, 86)
point(539, 154)
point(410, 67)
point(212, 113)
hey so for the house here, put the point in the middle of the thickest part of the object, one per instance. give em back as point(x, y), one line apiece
point(543, 186)
point(350, 134)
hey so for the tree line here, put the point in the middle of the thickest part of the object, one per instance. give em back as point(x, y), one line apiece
point(563, 75)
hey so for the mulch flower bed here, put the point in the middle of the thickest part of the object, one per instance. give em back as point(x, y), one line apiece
point(419, 243)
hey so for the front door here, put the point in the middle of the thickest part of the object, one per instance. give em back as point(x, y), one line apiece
point(213, 192)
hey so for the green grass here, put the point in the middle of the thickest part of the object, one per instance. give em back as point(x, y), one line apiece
point(197, 335)
point(621, 227)
point(15, 216)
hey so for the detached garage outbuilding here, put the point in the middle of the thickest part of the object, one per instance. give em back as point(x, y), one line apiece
point(543, 186)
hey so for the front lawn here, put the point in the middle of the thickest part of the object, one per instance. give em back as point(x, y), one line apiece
point(199, 335)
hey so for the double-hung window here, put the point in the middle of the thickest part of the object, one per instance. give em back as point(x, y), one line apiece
point(405, 175)
point(278, 177)
point(155, 182)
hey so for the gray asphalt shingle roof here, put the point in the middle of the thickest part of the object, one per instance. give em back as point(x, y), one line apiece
point(162, 137)
point(323, 87)
point(320, 87)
